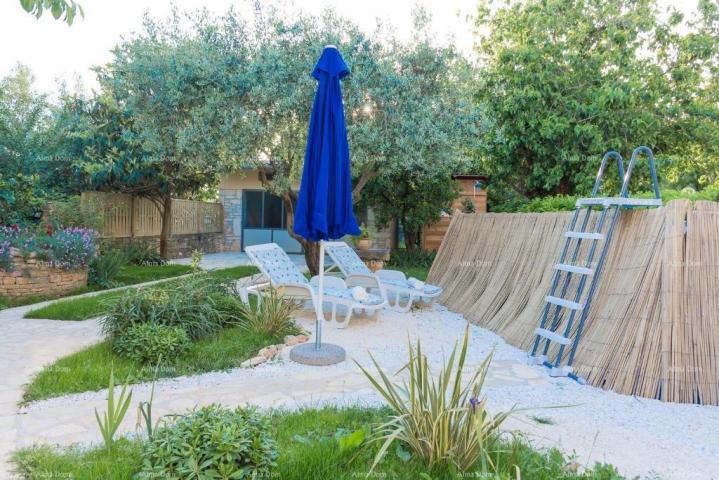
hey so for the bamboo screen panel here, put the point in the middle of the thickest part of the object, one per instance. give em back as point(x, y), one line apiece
point(128, 216)
point(653, 328)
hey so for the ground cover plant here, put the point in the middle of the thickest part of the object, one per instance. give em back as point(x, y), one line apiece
point(316, 444)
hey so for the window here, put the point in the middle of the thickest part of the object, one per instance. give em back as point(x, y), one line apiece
point(263, 210)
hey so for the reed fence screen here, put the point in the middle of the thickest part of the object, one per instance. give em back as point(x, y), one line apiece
point(130, 216)
point(653, 327)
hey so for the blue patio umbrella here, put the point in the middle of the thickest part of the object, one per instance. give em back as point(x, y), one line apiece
point(324, 208)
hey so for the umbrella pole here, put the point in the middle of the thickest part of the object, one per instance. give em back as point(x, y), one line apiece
point(320, 301)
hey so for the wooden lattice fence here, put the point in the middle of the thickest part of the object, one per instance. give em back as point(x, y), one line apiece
point(131, 216)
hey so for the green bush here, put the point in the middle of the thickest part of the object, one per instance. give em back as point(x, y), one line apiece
point(71, 212)
point(151, 343)
point(414, 259)
point(105, 268)
point(212, 442)
point(189, 304)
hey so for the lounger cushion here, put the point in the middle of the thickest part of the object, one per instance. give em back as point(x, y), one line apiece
point(347, 295)
point(279, 266)
point(429, 290)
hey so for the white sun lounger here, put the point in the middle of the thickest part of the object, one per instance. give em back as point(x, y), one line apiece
point(286, 279)
point(388, 282)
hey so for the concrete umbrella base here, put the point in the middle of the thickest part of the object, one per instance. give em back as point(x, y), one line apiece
point(307, 354)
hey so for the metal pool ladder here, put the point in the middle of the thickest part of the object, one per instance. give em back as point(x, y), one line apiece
point(566, 307)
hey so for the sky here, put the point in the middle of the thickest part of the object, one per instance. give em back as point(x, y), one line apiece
point(54, 51)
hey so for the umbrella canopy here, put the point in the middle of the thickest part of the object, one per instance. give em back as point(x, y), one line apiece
point(324, 209)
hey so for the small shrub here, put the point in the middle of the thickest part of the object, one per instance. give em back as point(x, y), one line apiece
point(72, 212)
point(272, 316)
point(105, 268)
point(151, 343)
point(142, 253)
point(68, 248)
point(441, 420)
point(468, 206)
point(187, 304)
point(212, 442)
point(411, 259)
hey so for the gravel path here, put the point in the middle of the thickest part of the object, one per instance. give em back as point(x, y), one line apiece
point(640, 436)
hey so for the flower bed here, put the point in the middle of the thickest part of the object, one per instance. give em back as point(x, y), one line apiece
point(42, 264)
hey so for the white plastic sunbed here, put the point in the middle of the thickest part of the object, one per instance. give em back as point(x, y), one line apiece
point(286, 279)
point(388, 282)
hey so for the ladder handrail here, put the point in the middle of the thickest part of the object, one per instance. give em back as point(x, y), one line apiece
point(652, 168)
point(603, 166)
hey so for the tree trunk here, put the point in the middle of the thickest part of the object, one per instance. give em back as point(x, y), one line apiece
point(312, 256)
point(312, 249)
point(410, 240)
point(166, 230)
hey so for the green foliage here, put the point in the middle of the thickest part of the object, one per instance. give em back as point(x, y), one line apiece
point(568, 80)
point(94, 306)
point(80, 462)
point(468, 206)
point(272, 315)
point(187, 303)
point(308, 442)
point(67, 248)
point(212, 442)
point(140, 252)
point(67, 10)
point(105, 269)
point(115, 413)
point(402, 259)
point(71, 212)
point(88, 369)
point(441, 420)
point(152, 343)
point(557, 203)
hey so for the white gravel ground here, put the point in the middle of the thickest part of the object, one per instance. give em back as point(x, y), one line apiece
point(641, 437)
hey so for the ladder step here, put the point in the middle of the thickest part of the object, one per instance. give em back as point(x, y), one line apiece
point(553, 336)
point(574, 269)
point(621, 201)
point(563, 303)
point(584, 235)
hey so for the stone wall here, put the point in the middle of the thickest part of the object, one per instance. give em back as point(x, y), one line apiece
point(231, 200)
point(34, 278)
point(180, 246)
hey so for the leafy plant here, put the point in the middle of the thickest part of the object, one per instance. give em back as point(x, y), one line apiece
point(443, 421)
point(196, 260)
point(152, 343)
point(212, 442)
point(105, 268)
point(189, 304)
point(72, 212)
point(411, 259)
point(144, 408)
point(468, 205)
point(140, 252)
point(115, 413)
point(272, 315)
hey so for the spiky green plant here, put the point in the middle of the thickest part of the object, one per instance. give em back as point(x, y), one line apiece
point(272, 315)
point(111, 420)
point(441, 420)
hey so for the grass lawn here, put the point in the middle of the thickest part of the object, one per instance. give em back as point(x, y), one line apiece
point(308, 450)
point(132, 274)
point(90, 307)
point(89, 369)
point(420, 273)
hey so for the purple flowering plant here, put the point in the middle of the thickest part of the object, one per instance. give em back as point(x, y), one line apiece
point(69, 248)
